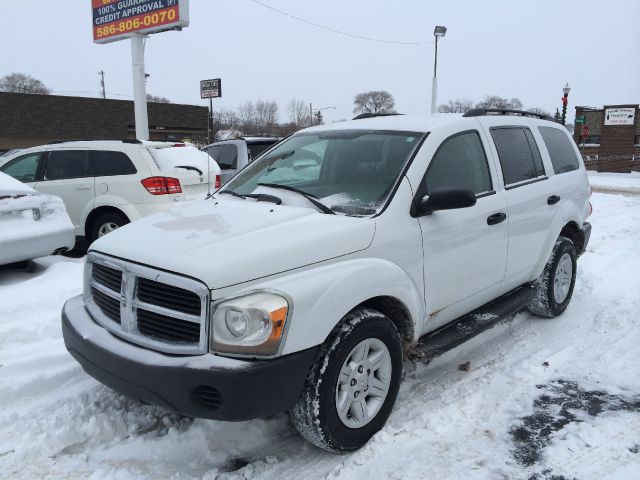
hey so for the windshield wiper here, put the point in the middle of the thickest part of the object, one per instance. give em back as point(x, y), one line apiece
point(260, 197)
point(309, 196)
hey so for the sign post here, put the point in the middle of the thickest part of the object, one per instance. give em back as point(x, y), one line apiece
point(210, 89)
point(115, 20)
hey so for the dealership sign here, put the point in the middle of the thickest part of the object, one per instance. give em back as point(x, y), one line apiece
point(619, 116)
point(117, 19)
point(211, 88)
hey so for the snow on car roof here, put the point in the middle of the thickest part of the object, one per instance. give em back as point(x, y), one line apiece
point(409, 123)
point(9, 186)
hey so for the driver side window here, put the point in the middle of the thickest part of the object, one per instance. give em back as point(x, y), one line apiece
point(23, 168)
point(459, 162)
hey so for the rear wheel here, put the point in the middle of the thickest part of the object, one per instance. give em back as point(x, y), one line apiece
point(106, 223)
point(353, 384)
point(555, 286)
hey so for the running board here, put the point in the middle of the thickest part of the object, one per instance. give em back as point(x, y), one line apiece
point(468, 326)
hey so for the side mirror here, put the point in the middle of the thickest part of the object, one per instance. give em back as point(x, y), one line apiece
point(446, 199)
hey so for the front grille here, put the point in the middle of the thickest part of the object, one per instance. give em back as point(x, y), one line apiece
point(168, 296)
point(146, 306)
point(108, 277)
point(167, 328)
point(207, 396)
point(109, 306)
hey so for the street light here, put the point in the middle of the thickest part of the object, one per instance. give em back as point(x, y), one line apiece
point(438, 32)
point(565, 101)
point(311, 110)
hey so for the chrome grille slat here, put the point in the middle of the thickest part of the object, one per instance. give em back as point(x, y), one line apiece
point(156, 309)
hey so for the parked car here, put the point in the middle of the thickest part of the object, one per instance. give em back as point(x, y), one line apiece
point(233, 155)
point(411, 231)
point(32, 225)
point(107, 184)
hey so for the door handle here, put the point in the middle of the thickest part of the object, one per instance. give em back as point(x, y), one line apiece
point(496, 218)
point(553, 199)
point(83, 187)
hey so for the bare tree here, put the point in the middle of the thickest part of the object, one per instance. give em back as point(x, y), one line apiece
point(298, 113)
point(247, 116)
point(266, 114)
point(539, 111)
point(495, 101)
point(375, 101)
point(157, 99)
point(459, 105)
point(22, 83)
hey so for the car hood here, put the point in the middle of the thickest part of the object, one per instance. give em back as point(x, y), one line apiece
point(226, 241)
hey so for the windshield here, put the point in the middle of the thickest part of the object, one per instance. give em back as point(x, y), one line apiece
point(350, 171)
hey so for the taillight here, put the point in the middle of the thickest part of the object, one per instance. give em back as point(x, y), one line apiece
point(162, 185)
point(218, 181)
point(178, 145)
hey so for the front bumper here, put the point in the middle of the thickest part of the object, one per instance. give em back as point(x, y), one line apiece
point(205, 386)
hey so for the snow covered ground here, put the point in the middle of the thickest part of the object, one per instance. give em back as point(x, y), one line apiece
point(541, 398)
point(627, 183)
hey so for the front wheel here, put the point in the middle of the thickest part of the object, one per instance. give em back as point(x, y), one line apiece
point(555, 286)
point(353, 384)
point(106, 223)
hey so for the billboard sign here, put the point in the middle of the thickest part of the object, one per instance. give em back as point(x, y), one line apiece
point(619, 116)
point(118, 19)
point(211, 88)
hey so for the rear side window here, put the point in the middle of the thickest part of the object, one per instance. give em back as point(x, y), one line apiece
point(23, 168)
point(255, 149)
point(563, 157)
point(519, 155)
point(63, 164)
point(460, 162)
point(225, 155)
point(107, 163)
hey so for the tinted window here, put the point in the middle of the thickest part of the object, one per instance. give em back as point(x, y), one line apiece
point(519, 155)
point(225, 155)
point(563, 157)
point(107, 163)
point(23, 168)
point(67, 164)
point(255, 149)
point(460, 162)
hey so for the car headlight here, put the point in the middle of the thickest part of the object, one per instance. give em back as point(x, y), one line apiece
point(249, 325)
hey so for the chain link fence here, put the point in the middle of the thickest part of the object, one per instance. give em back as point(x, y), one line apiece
point(611, 161)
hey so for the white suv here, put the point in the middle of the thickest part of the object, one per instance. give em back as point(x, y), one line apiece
point(408, 232)
point(106, 184)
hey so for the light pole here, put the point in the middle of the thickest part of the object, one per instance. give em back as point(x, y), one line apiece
point(438, 32)
point(311, 110)
point(565, 101)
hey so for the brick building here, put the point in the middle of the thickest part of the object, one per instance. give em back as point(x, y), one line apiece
point(27, 120)
point(609, 138)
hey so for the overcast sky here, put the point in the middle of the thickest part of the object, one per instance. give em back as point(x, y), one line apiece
point(508, 48)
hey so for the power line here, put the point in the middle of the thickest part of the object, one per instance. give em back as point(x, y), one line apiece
point(330, 29)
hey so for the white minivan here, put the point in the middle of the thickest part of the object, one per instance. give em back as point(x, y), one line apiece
point(108, 183)
point(339, 250)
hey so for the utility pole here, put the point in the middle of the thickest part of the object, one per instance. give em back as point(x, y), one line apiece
point(310, 115)
point(104, 93)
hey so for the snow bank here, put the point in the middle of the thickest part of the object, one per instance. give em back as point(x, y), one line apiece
point(620, 182)
point(57, 422)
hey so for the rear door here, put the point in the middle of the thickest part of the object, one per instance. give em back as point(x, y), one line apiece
point(527, 191)
point(67, 174)
point(114, 177)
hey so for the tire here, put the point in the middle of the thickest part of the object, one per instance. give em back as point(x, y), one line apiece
point(555, 286)
point(107, 221)
point(316, 415)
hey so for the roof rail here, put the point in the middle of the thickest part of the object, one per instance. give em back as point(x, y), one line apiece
point(126, 140)
point(479, 112)
point(371, 115)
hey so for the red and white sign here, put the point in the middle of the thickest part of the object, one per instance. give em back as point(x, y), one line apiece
point(118, 19)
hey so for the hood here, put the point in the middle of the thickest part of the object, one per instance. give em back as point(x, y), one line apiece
point(226, 241)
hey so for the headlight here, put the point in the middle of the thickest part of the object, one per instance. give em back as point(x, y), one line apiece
point(249, 325)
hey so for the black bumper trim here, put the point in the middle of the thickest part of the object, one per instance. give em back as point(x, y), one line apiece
point(257, 389)
point(586, 232)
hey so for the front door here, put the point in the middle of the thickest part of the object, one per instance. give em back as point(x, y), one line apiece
point(465, 250)
point(67, 174)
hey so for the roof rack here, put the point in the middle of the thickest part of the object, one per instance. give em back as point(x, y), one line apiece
point(479, 112)
point(371, 115)
point(126, 140)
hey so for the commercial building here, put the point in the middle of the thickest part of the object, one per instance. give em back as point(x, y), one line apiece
point(27, 120)
point(609, 137)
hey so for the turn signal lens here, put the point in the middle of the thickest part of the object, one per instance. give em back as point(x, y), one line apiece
point(218, 181)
